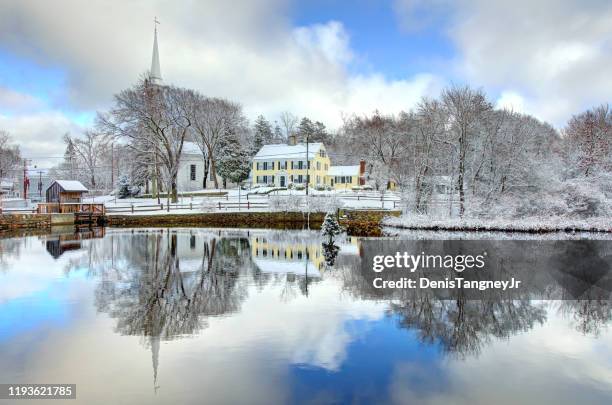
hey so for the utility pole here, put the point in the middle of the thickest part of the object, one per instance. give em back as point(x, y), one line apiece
point(112, 165)
point(40, 184)
point(26, 181)
point(307, 165)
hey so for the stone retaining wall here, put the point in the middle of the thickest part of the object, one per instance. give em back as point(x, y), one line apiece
point(357, 223)
point(24, 221)
point(294, 220)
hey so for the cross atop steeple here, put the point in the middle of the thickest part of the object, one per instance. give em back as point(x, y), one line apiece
point(156, 77)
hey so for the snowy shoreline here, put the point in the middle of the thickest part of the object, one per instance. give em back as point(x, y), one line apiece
point(526, 225)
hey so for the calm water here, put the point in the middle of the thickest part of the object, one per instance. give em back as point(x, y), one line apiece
point(260, 317)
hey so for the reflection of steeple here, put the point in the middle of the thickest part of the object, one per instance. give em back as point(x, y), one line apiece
point(156, 77)
point(155, 359)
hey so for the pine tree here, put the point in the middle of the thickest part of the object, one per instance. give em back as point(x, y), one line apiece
point(330, 228)
point(278, 133)
point(305, 130)
point(123, 184)
point(234, 161)
point(262, 133)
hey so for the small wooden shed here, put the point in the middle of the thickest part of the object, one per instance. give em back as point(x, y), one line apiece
point(65, 191)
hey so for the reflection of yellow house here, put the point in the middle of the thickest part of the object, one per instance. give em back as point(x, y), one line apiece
point(296, 257)
point(293, 257)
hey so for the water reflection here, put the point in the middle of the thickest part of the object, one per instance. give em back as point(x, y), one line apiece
point(173, 285)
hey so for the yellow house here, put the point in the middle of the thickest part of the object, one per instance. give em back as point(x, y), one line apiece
point(282, 164)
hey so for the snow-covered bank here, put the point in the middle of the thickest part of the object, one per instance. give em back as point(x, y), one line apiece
point(535, 224)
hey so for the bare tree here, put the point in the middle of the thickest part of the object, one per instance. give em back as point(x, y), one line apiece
point(465, 108)
point(588, 138)
point(90, 151)
point(10, 156)
point(213, 119)
point(155, 120)
point(289, 123)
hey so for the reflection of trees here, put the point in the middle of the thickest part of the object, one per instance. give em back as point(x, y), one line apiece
point(10, 249)
point(460, 324)
point(330, 252)
point(589, 316)
point(158, 298)
point(463, 327)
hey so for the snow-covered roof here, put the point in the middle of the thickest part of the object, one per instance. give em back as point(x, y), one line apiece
point(71, 185)
point(344, 171)
point(191, 148)
point(284, 151)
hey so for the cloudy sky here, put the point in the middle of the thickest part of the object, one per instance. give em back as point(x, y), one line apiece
point(62, 60)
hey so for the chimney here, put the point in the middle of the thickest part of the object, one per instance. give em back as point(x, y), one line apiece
point(362, 169)
point(292, 140)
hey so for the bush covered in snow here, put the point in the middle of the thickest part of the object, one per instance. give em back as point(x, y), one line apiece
point(301, 203)
point(322, 203)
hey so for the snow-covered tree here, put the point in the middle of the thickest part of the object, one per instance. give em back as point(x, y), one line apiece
point(10, 156)
point(330, 228)
point(262, 133)
point(123, 186)
point(234, 161)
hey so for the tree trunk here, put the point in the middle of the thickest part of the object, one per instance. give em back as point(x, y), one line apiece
point(461, 176)
point(174, 191)
point(213, 169)
point(206, 167)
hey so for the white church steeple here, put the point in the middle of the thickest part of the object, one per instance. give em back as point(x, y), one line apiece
point(156, 77)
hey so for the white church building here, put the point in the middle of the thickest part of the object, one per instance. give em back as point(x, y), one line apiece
point(191, 168)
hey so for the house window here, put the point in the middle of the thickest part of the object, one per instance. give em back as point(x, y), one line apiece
point(318, 165)
point(192, 172)
point(300, 165)
point(322, 153)
point(300, 178)
point(349, 179)
point(257, 165)
point(265, 165)
point(292, 165)
point(272, 165)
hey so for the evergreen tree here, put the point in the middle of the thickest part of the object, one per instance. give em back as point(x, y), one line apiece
point(278, 133)
point(262, 133)
point(306, 130)
point(124, 186)
point(330, 228)
point(320, 133)
point(234, 160)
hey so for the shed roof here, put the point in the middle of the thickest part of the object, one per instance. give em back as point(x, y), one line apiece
point(70, 185)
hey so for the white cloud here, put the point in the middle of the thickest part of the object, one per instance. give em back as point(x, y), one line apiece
point(247, 51)
point(14, 101)
point(511, 100)
point(39, 135)
point(558, 53)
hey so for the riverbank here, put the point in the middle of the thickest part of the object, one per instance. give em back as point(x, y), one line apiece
point(357, 223)
point(526, 225)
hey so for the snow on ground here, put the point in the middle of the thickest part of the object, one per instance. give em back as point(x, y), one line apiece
point(266, 199)
point(539, 224)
